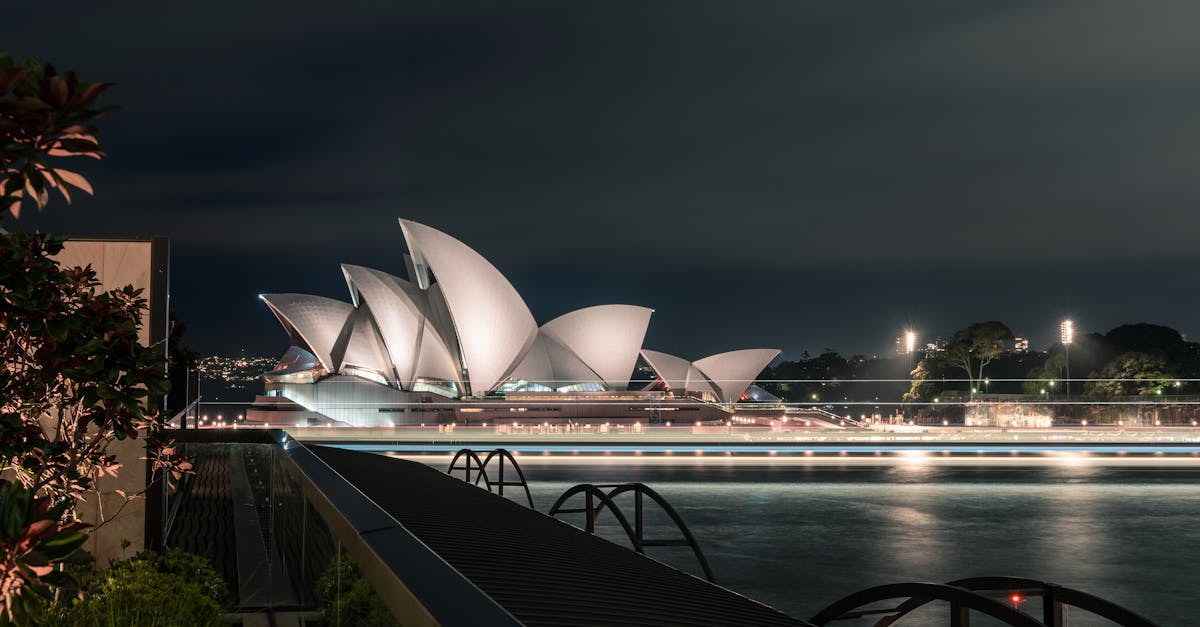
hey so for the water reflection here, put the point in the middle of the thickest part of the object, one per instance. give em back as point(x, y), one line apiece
point(799, 537)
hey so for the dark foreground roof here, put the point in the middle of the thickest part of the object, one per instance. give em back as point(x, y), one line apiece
point(542, 570)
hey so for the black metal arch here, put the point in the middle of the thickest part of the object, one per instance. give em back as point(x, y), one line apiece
point(961, 602)
point(502, 455)
point(636, 533)
point(480, 467)
point(1054, 597)
point(592, 494)
point(467, 468)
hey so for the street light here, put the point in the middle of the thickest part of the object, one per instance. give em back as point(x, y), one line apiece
point(1066, 334)
point(1066, 331)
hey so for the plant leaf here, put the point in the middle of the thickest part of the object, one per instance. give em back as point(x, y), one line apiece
point(75, 180)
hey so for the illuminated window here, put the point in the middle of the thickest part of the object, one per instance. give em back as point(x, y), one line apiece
point(369, 375)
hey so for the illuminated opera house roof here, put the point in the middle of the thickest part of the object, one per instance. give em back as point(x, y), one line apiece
point(455, 326)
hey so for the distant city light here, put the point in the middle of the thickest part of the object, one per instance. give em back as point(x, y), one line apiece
point(1066, 332)
point(910, 341)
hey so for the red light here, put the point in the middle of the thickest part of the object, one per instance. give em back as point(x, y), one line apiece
point(1015, 598)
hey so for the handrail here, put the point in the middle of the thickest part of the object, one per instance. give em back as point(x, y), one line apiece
point(480, 467)
point(966, 593)
point(171, 508)
point(640, 489)
point(416, 584)
point(834, 417)
point(961, 601)
point(183, 413)
point(636, 532)
point(503, 455)
point(1053, 596)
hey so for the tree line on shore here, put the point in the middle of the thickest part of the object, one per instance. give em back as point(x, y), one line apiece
point(1131, 360)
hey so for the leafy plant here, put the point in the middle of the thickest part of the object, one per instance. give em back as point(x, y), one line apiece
point(149, 589)
point(42, 115)
point(75, 378)
point(34, 542)
point(345, 598)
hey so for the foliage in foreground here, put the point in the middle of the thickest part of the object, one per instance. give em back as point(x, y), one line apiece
point(345, 598)
point(42, 115)
point(148, 590)
point(36, 545)
point(75, 378)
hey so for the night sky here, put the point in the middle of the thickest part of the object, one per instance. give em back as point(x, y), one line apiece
point(784, 174)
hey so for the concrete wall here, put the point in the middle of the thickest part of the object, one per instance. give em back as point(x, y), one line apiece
point(142, 263)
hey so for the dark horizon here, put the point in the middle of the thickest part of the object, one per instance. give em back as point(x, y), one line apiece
point(791, 176)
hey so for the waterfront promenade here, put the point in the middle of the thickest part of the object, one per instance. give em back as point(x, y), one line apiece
point(1116, 446)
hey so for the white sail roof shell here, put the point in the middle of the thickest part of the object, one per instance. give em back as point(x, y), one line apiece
point(733, 372)
point(671, 369)
point(605, 337)
point(440, 326)
point(362, 345)
point(535, 366)
point(317, 320)
point(434, 361)
point(493, 324)
point(697, 382)
point(551, 364)
point(398, 317)
point(726, 375)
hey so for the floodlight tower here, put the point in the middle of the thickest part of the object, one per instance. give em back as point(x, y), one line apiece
point(910, 347)
point(1066, 334)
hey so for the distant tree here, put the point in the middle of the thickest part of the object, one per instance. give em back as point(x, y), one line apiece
point(922, 388)
point(1143, 338)
point(973, 348)
point(1132, 374)
point(1044, 377)
point(43, 115)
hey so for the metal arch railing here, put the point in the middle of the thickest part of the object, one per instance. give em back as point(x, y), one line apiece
point(1053, 596)
point(591, 511)
point(480, 467)
point(502, 456)
point(636, 532)
point(467, 468)
point(961, 601)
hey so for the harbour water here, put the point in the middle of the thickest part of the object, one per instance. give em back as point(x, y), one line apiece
point(799, 536)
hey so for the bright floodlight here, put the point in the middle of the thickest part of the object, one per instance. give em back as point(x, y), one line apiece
point(910, 341)
point(1066, 331)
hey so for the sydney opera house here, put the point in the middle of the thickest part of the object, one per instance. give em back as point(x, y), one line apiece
point(453, 342)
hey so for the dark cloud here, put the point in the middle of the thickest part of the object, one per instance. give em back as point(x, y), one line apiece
point(779, 173)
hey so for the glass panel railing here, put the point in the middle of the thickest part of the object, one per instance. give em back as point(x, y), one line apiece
point(289, 535)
